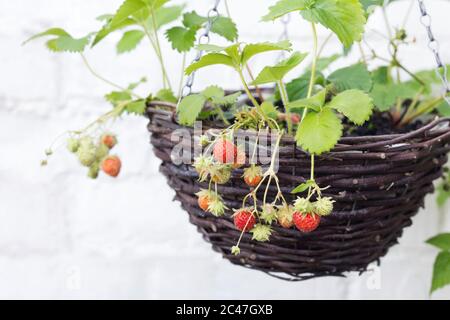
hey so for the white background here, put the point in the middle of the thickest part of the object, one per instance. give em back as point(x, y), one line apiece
point(64, 236)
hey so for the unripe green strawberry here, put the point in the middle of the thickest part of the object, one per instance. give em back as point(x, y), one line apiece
point(220, 174)
point(203, 165)
point(268, 213)
point(217, 207)
point(101, 151)
point(303, 205)
point(204, 140)
point(86, 152)
point(94, 169)
point(261, 232)
point(73, 144)
point(284, 216)
point(323, 206)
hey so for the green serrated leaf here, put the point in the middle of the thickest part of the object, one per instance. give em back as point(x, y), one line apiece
point(269, 109)
point(315, 102)
point(279, 71)
point(356, 105)
point(189, 108)
point(346, 18)
point(127, 9)
point(166, 95)
point(284, 7)
point(303, 187)
point(129, 41)
point(385, 95)
point(381, 75)
point(210, 48)
point(226, 28)
point(325, 62)
point(50, 32)
point(208, 60)
point(136, 107)
point(227, 100)
point(116, 97)
point(164, 16)
point(182, 39)
point(353, 77)
point(213, 92)
point(298, 88)
point(319, 131)
point(253, 49)
point(108, 29)
point(441, 271)
point(192, 19)
point(441, 241)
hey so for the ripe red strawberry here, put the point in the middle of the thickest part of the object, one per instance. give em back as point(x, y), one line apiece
point(253, 175)
point(240, 159)
point(111, 165)
point(295, 118)
point(225, 151)
point(306, 222)
point(244, 220)
point(109, 140)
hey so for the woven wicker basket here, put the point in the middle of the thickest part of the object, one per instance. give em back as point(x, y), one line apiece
point(379, 183)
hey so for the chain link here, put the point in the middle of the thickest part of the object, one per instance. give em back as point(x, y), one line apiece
point(433, 45)
point(285, 34)
point(204, 38)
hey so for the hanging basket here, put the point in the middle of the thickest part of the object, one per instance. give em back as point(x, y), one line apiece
point(379, 183)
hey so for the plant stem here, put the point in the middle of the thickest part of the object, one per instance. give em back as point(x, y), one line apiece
point(285, 100)
point(312, 166)
point(180, 86)
point(250, 73)
point(158, 46)
point(95, 74)
point(313, 68)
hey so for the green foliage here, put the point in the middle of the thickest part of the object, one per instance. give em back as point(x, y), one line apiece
point(346, 18)
point(385, 95)
point(315, 102)
point(190, 107)
point(269, 109)
point(325, 62)
point(62, 41)
point(319, 131)
point(298, 87)
point(441, 241)
point(353, 77)
point(354, 104)
point(233, 56)
point(303, 187)
point(183, 37)
point(130, 40)
point(166, 95)
point(441, 271)
point(279, 71)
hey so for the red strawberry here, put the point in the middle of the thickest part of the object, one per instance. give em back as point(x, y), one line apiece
point(295, 118)
point(306, 222)
point(225, 151)
point(111, 166)
point(109, 140)
point(240, 159)
point(244, 220)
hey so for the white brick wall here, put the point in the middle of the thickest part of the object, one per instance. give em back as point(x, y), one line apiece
point(64, 236)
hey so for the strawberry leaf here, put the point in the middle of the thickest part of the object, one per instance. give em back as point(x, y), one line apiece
point(182, 39)
point(225, 27)
point(354, 77)
point(189, 108)
point(129, 41)
point(284, 7)
point(303, 187)
point(192, 19)
point(208, 60)
point(166, 95)
point(62, 41)
point(441, 241)
point(441, 271)
point(107, 29)
point(346, 18)
point(213, 92)
point(163, 16)
point(227, 100)
point(251, 50)
point(269, 109)
point(279, 71)
point(127, 9)
point(356, 105)
point(315, 102)
point(136, 107)
point(50, 32)
point(319, 131)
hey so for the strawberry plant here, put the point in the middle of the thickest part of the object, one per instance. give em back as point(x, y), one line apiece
point(314, 108)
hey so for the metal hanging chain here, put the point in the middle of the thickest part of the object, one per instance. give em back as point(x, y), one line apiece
point(285, 34)
point(433, 44)
point(204, 38)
